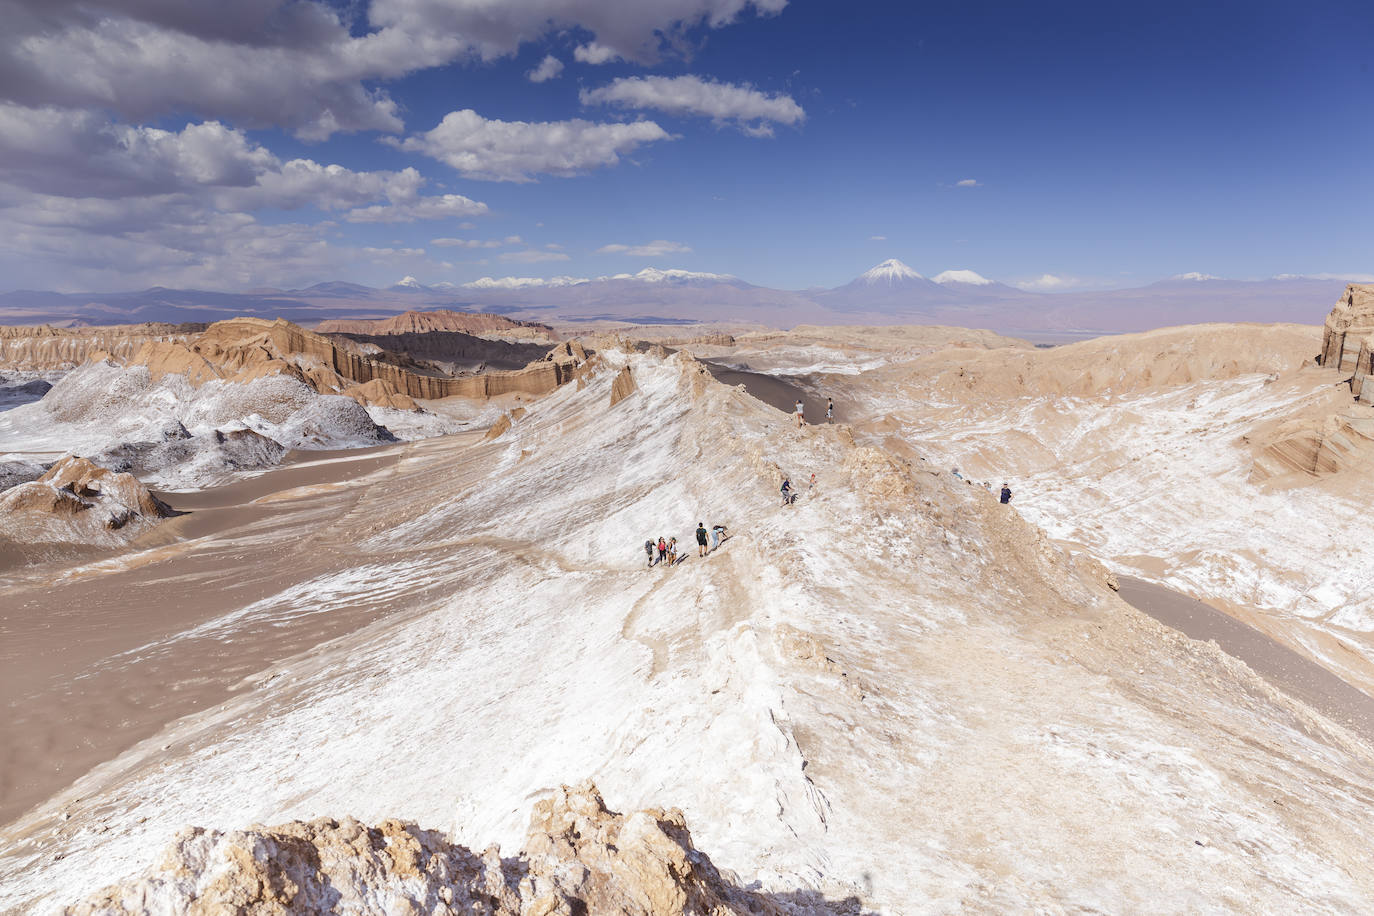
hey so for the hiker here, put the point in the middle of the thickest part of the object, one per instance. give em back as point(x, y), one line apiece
point(801, 418)
point(956, 473)
point(830, 410)
point(672, 551)
point(787, 495)
point(811, 485)
point(1006, 493)
point(701, 539)
point(717, 531)
point(662, 550)
point(649, 549)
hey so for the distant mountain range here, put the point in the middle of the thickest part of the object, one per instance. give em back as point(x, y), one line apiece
point(890, 293)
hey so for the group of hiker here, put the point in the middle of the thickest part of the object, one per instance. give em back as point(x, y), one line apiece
point(800, 412)
point(1004, 496)
point(664, 551)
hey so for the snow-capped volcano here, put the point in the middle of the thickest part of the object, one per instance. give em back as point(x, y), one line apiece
point(968, 277)
point(891, 272)
point(409, 283)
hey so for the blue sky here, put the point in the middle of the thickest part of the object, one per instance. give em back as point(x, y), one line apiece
point(1051, 145)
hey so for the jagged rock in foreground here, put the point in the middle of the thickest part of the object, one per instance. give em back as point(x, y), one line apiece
point(1348, 339)
point(78, 502)
point(579, 858)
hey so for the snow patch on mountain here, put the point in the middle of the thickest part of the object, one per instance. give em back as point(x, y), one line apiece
point(891, 271)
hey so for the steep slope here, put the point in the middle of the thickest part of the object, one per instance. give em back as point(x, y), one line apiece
point(894, 690)
point(1214, 458)
point(42, 348)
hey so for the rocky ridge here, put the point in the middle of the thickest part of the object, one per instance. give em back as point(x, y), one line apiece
point(417, 322)
point(244, 349)
point(43, 348)
point(580, 857)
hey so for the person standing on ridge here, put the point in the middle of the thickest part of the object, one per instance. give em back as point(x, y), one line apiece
point(662, 550)
point(787, 496)
point(649, 549)
point(1006, 493)
point(701, 539)
point(830, 410)
point(801, 418)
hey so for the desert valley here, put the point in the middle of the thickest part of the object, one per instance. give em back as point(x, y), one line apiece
point(354, 603)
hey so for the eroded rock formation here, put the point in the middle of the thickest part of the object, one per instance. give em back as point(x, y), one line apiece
point(78, 502)
point(580, 857)
point(1348, 339)
point(414, 322)
point(622, 387)
point(44, 348)
point(243, 349)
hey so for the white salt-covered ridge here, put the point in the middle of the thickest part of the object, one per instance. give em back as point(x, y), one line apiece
point(894, 690)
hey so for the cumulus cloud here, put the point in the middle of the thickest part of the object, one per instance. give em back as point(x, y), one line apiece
point(549, 68)
point(877, 238)
point(752, 110)
point(1194, 275)
point(492, 150)
point(307, 65)
point(593, 53)
point(654, 249)
point(968, 183)
point(533, 256)
point(78, 154)
point(446, 206)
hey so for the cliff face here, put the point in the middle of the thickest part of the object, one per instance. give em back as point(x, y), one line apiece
point(43, 348)
point(1349, 339)
point(242, 349)
point(442, 320)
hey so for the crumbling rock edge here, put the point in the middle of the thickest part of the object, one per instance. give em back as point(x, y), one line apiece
point(579, 858)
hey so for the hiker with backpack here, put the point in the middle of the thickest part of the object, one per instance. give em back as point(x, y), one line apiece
point(649, 549)
point(789, 496)
point(702, 549)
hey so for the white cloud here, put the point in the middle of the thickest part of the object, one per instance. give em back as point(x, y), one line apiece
point(386, 255)
point(477, 243)
point(524, 282)
point(654, 249)
point(492, 150)
point(533, 256)
point(1047, 283)
point(446, 206)
point(549, 68)
point(306, 65)
point(593, 53)
point(79, 154)
point(1194, 275)
point(750, 109)
point(962, 276)
point(877, 238)
point(968, 183)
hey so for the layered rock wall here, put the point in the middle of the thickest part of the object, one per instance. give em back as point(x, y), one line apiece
point(44, 348)
point(242, 349)
point(1349, 338)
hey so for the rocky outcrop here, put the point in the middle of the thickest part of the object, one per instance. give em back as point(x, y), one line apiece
point(79, 502)
point(414, 322)
point(1348, 339)
point(580, 858)
point(622, 387)
point(243, 349)
point(44, 348)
